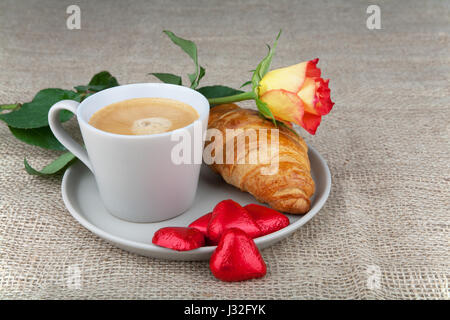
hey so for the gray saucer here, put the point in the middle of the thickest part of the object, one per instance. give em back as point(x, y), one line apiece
point(81, 198)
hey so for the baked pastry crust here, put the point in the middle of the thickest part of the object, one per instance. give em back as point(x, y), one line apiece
point(291, 188)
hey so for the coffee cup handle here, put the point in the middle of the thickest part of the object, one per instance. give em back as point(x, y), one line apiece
point(62, 135)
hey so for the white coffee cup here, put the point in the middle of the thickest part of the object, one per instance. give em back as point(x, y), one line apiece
point(135, 175)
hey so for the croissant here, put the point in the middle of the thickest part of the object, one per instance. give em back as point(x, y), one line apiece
point(291, 188)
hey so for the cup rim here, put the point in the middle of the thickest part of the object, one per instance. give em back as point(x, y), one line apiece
point(201, 117)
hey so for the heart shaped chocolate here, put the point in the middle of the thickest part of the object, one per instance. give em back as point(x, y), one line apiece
point(229, 214)
point(237, 258)
point(179, 238)
point(267, 219)
point(201, 224)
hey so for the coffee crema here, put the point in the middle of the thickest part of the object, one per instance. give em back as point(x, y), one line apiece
point(142, 116)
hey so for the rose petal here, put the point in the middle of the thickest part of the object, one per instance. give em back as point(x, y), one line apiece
point(310, 122)
point(311, 69)
point(308, 95)
point(289, 79)
point(324, 104)
point(284, 105)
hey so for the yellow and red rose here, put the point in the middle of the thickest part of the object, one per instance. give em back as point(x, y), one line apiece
point(297, 94)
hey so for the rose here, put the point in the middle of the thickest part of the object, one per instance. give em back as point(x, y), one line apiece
point(297, 94)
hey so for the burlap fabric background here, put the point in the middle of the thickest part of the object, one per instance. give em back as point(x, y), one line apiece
point(386, 143)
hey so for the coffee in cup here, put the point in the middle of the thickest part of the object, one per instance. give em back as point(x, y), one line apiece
point(141, 116)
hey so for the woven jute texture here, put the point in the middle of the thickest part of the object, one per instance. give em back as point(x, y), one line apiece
point(384, 231)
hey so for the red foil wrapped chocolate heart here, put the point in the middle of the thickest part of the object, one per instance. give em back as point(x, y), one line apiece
point(229, 214)
point(179, 238)
point(201, 224)
point(268, 220)
point(237, 258)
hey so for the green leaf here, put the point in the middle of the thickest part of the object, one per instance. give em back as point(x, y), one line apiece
point(168, 78)
point(194, 81)
point(265, 63)
point(201, 75)
point(263, 108)
point(256, 78)
point(101, 81)
point(41, 137)
point(282, 124)
point(245, 84)
point(264, 66)
point(191, 49)
point(186, 45)
point(9, 106)
point(56, 166)
point(218, 91)
point(34, 114)
point(104, 78)
point(89, 89)
point(192, 77)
